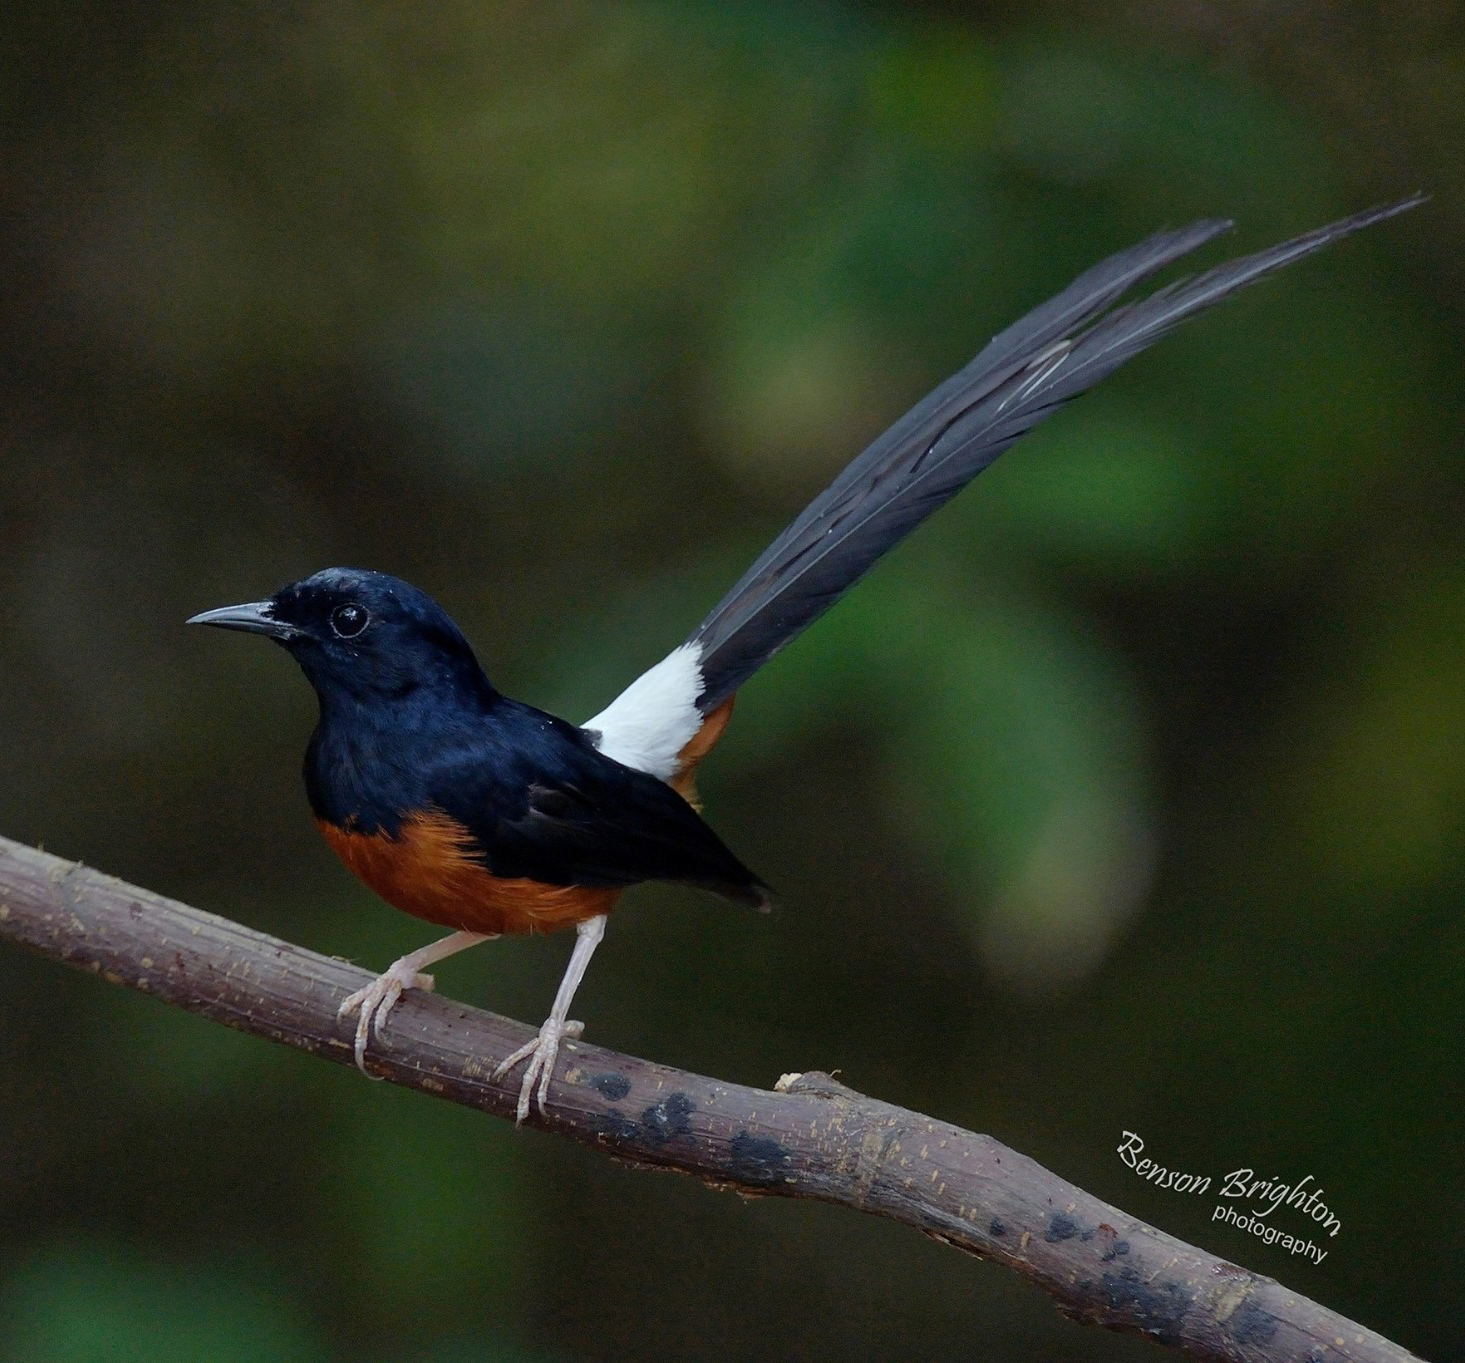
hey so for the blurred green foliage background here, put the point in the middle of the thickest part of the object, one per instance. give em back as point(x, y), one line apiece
point(1127, 795)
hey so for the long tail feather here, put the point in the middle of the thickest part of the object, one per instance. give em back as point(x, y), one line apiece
point(1026, 373)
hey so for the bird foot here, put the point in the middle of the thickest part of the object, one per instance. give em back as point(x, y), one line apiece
point(541, 1053)
point(374, 1003)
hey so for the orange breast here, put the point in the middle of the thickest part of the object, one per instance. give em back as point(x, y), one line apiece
point(429, 872)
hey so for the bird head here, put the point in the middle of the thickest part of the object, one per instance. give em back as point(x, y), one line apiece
point(361, 636)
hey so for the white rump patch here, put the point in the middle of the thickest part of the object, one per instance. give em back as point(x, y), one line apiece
point(656, 716)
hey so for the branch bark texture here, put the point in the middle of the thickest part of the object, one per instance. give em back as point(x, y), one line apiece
point(809, 1137)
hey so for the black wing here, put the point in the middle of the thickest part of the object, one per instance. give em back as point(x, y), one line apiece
point(543, 804)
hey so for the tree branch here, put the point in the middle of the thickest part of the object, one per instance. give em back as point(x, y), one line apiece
point(811, 1137)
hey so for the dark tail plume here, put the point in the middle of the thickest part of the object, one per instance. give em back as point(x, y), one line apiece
point(1056, 352)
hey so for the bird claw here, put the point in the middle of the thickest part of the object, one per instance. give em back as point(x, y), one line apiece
point(541, 1052)
point(374, 1003)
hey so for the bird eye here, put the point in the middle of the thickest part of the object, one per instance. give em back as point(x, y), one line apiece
point(349, 620)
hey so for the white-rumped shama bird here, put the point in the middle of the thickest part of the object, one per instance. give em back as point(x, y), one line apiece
point(487, 816)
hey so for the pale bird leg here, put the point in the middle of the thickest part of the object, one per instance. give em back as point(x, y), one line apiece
point(545, 1048)
point(375, 1002)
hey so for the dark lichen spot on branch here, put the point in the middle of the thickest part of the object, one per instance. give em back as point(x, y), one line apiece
point(758, 1160)
point(1061, 1226)
point(1159, 1309)
point(613, 1127)
point(668, 1118)
point(1115, 1251)
point(1252, 1324)
point(610, 1084)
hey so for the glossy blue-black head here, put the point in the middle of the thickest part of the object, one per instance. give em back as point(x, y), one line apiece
point(362, 636)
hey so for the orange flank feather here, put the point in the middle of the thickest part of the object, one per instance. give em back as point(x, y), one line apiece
point(430, 872)
point(698, 746)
